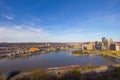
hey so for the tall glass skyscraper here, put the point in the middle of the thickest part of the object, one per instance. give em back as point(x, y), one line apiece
point(104, 43)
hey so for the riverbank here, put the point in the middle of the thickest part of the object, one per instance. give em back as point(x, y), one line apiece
point(90, 71)
point(82, 54)
point(26, 54)
point(2, 56)
point(111, 53)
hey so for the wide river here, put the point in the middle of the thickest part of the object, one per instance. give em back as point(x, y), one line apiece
point(52, 59)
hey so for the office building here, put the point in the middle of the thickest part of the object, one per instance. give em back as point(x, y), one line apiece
point(84, 47)
point(117, 47)
point(104, 43)
point(110, 42)
point(90, 47)
point(94, 45)
point(112, 46)
point(99, 46)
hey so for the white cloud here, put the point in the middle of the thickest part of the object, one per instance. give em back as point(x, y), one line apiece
point(85, 31)
point(97, 34)
point(35, 29)
point(36, 18)
point(32, 34)
point(32, 24)
point(75, 30)
point(18, 34)
point(9, 17)
point(17, 27)
point(107, 20)
point(31, 21)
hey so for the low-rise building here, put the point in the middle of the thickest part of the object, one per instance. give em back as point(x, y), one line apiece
point(112, 46)
point(33, 49)
point(84, 47)
point(118, 47)
point(90, 47)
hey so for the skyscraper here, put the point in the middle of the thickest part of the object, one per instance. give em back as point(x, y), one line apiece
point(110, 42)
point(104, 43)
point(103, 39)
point(98, 46)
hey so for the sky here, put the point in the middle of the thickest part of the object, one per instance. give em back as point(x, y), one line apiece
point(59, 20)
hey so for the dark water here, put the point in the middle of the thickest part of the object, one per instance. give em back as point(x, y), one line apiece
point(53, 59)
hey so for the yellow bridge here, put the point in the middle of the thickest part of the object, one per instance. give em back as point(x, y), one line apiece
point(114, 54)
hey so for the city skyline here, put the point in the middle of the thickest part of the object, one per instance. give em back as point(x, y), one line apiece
point(59, 21)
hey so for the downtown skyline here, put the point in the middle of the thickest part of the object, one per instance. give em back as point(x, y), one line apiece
point(59, 20)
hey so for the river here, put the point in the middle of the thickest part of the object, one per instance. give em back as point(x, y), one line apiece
point(52, 59)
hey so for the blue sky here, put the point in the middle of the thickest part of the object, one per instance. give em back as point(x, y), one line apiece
point(59, 20)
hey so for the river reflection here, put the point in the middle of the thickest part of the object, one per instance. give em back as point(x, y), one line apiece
point(52, 59)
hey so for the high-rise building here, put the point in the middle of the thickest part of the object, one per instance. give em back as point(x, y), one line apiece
point(94, 45)
point(110, 42)
point(103, 39)
point(104, 43)
point(99, 46)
